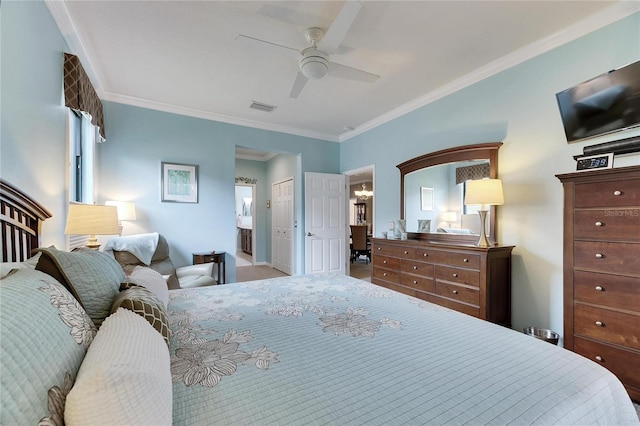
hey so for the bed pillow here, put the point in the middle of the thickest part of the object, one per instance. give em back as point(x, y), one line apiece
point(125, 378)
point(152, 281)
point(45, 335)
point(144, 303)
point(93, 277)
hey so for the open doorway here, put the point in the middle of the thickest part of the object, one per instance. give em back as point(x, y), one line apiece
point(361, 199)
point(245, 224)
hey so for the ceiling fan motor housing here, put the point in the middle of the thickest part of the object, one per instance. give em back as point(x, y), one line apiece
point(314, 63)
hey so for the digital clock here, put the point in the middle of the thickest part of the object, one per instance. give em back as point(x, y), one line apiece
point(600, 161)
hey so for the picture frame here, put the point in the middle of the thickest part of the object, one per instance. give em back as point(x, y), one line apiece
point(426, 198)
point(179, 182)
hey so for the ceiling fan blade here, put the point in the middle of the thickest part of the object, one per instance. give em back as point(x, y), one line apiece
point(264, 42)
point(338, 29)
point(343, 71)
point(298, 85)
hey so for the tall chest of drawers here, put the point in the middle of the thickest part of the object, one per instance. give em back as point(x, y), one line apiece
point(602, 269)
point(469, 279)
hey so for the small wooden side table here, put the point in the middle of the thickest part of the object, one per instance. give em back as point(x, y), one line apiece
point(217, 257)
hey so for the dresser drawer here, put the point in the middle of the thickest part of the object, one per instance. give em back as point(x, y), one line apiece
point(607, 224)
point(607, 325)
point(394, 251)
point(607, 290)
point(458, 293)
point(421, 283)
point(458, 275)
point(464, 260)
point(386, 275)
point(386, 262)
point(419, 268)
point(615, 193)
point(625, 364)
point(607, 257)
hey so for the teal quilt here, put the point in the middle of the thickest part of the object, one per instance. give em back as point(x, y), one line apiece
point(329, 349)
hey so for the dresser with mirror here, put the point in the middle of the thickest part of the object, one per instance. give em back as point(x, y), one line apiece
point(441, 262)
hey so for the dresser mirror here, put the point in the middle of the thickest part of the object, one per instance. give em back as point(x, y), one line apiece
point(431, 200)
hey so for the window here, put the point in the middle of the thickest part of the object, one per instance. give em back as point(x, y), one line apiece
point(82, 156)
point(82, 153)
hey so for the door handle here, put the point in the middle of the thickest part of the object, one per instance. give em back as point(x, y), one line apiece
point(309, 234)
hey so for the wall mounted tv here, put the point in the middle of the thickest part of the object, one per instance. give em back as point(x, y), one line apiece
point(605, 104)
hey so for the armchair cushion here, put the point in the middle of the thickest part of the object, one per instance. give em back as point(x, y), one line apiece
point(183, 277)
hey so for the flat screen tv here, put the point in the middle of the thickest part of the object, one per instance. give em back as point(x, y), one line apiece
point(605, 104)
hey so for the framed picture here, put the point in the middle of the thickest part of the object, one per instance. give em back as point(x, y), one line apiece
point(179, 183)
point(426, 198)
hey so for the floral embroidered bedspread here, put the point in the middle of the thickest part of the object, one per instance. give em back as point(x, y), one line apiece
point(330, 349)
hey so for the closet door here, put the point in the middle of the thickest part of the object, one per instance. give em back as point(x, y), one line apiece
point(282, 226)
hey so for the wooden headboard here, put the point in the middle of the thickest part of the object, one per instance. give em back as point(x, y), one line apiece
point(21, 218)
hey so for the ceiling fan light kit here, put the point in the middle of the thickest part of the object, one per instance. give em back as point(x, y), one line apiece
point(314, 64)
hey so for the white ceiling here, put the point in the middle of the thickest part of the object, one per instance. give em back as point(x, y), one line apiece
point(186, 57)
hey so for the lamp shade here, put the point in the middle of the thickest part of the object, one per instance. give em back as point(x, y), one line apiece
point(91, 219)
point(126, 209)
point(449, 217)
point(485, 192)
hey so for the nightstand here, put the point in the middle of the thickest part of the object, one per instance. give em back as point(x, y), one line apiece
point(217, 257)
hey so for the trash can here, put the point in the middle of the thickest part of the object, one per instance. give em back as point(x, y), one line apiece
point(542, 334)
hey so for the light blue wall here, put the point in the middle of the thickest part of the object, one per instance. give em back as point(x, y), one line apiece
point(517, 107)
point(33, 129)
point(140, 139)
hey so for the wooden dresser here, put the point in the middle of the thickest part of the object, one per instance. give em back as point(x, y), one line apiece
point(469, 279)
point(602, 269)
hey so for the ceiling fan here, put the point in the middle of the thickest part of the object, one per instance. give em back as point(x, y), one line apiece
point(314, 61)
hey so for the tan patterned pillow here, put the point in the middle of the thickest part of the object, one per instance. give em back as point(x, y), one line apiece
point(144, 303)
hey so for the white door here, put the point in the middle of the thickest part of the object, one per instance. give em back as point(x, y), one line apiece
point(282, 226)
point(325, 222)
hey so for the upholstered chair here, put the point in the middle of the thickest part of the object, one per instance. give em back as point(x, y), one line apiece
point(182, 277)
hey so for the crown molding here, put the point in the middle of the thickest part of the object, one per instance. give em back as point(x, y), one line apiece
point(60, 14)
point(594, 22)
point(207, 115)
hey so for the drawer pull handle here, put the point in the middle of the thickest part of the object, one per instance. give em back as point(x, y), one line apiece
point(598, 358)
point(406, 252)
point(455, 275)
point(415, 282)
point(379, 248)
point(425, 255)
point(415, 268)
point(599, 223)
point(465, 260)
point(599, 288)
point(617, 193)
point(599, 255)
point(599, 323)
point(455, 291)
point(384, 261)
point(384, 274)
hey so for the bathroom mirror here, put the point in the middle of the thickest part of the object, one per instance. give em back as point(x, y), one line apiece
point(431, 189)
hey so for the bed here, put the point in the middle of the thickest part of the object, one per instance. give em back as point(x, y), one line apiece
point(310, 349)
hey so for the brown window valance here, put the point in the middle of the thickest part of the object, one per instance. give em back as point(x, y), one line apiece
point(477, 171)
point(79, 93)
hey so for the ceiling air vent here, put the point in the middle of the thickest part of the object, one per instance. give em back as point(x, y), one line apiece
point(262, 107)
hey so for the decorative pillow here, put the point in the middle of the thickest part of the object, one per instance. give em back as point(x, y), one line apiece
point(144, 303)
point(152, 281)
point(6, 267)
point(125, 378)
point(91, 276)
point(45, 335)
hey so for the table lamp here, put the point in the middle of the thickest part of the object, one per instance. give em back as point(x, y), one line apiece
point(126, 211)
point(485, 192)
point(92, 220)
